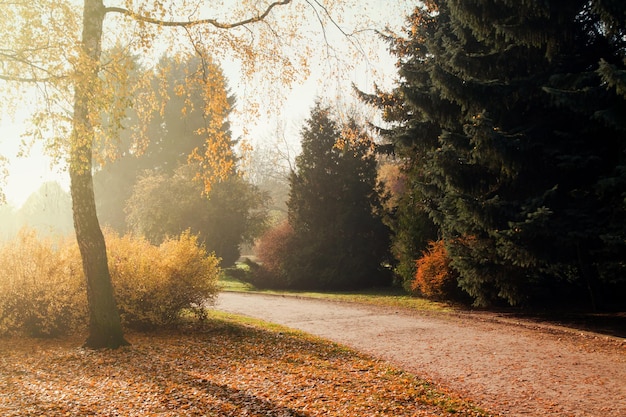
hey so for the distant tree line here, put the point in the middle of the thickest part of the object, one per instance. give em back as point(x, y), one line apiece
point(153, 191)
point(48, 211)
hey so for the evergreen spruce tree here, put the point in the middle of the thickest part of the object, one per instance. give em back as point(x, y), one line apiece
point(334, 209)
point(512, 111)
point(417, 114)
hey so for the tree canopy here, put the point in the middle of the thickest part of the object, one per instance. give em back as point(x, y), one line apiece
point(174, 134)
point(509, 115)
point(231, 214)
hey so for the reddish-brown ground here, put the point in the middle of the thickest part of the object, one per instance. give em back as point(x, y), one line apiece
point(514, 367)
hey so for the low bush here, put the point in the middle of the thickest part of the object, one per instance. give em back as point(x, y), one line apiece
point(42, 286)
point(42, 292)
point(435, 278)
point(272, 251)
point(155, 284)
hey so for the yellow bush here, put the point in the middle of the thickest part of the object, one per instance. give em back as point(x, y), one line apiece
point(42, 286)
point(153, 285)
point(42, 292)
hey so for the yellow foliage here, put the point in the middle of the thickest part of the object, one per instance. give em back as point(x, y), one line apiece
point(153, 285)
point(42, 290)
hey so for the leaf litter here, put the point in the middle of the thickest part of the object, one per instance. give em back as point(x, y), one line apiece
point(220, 368)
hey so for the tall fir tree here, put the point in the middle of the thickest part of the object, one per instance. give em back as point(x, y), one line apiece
point(512, 112)
point(334, 209)
point(417, 114)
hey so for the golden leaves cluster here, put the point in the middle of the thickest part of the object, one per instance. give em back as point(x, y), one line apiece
point(38, 52)
point(353, 137)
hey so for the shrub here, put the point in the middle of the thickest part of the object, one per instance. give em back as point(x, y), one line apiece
point(435, 278)
point(42, 291)
point(272, 251)
point(154, 285)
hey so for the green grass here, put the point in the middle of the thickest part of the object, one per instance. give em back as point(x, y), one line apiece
point(390, 297)
point(228, 283)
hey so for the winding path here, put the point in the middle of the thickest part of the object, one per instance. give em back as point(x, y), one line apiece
point(515, 368)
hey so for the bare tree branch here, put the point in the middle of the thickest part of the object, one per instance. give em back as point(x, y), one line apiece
point(191, 23)
point(19, 79)
point(349, 36)
point(17, 57)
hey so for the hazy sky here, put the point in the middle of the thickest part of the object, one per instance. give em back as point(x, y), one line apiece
point(27, 174)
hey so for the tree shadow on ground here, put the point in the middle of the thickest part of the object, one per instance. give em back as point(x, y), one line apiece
point(609, 324)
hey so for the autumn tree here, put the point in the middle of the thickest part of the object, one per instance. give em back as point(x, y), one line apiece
point(164, 205)
point(57, 47)
point(335, 209)
point(172, 133)
point(509, 114)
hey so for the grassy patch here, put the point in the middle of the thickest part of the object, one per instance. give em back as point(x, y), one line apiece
point(226, 367)
point(380, 296)
point(228, 283)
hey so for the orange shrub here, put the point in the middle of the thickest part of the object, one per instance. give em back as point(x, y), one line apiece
point(435, 278)
point(272, 250)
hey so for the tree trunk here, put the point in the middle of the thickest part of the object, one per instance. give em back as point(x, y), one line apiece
point(105, 329)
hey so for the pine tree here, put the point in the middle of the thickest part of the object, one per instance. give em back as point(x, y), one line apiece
point(334, 209)
point(514, 125)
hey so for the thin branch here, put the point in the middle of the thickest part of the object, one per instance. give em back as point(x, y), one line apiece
point(21, 60)
point(33, 66)
point(13, 78)
point(321, 22)
point(191, 23)
point(349, 36)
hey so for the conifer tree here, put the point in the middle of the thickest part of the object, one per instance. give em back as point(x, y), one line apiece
point(511, 111)
point(417, 117)
point(334, 209)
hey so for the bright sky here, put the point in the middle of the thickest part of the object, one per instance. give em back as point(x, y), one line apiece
point(27, 174)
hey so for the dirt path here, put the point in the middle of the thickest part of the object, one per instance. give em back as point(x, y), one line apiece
point(512, 367)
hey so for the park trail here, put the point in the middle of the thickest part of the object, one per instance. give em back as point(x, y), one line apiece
point(509, 366)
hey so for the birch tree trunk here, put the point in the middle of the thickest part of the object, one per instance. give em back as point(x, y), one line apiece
point(105, 329)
